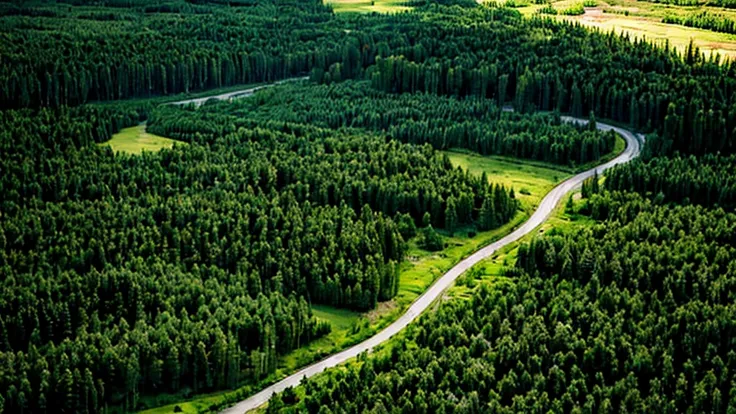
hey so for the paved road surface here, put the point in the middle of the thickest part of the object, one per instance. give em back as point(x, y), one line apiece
point(243, 93)
point(421, 304)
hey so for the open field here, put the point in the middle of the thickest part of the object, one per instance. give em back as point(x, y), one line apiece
point(639, 18)
point(644, 20)
point(368, 6)
point(135, 140)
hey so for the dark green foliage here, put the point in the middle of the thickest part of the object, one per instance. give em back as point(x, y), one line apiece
point(406, 226)
point(431, 240)
point(193, 268)
point(153, 48)
point(635, 314)
point(441, 50)
point(707, 180)
point(704, 20)
point(591, 186)
point(444, 122)
point(547, 9)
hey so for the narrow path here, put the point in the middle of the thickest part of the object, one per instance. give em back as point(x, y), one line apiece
point(540, 215)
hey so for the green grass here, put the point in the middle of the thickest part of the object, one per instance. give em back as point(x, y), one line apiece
point(197, 406)
point(530, 180)
point(135, 140)
point(491, 270)
point(345, 324)
point(368, 6)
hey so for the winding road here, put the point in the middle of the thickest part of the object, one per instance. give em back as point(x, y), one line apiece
point(540, 215)
point(228, 96)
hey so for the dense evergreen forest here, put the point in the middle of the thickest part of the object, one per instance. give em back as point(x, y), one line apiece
point(479, 125)
point(704, 20)
point(635, 314)
point(708, 180)
point(538, 63)
point(193, 269)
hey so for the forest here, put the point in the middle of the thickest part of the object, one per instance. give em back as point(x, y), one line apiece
point(704, 20)
point(635, 314)
point(193, 269)
point(442, 122)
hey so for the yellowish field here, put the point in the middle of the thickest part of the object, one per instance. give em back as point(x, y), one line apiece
point(653, 29)
point(643, 20)
point(135, 140)
point(368, 6)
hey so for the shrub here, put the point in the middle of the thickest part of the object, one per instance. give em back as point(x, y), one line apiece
point(575, 10)
point(548, 9)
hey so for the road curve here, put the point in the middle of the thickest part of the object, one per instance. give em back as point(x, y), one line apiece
point(242, 93)
point(540, 215)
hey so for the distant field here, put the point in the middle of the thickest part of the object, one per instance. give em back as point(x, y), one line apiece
point(644, 20)
point(135, 140)
point(368, 6)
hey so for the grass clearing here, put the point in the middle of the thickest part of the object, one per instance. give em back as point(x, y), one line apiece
point(135, 140)
point(368, 6)
point(530, 180)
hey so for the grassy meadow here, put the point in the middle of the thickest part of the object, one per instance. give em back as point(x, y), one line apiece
point(135, 140)
point(368, 6)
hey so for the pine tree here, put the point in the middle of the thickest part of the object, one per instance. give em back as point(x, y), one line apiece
point(451, 217)
point(485, 217)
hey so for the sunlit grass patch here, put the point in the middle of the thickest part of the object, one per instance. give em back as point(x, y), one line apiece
point(135, 140)
point(369, 6)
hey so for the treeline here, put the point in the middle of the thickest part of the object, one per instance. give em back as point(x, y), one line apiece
point(356, 170)
point(636, 87)
point(728, 4)
point(683, 2)
point(441, 50)
point(479, 125)
point(192, 269)
point(708, 180)
point(77, 55)
point(536, 63)
point(634, 314)
point(704, 20)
